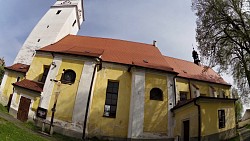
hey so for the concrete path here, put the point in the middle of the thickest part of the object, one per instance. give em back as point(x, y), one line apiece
point(20, 124)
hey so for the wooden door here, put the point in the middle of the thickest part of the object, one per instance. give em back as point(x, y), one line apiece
point(23, 109)
point(186, 130)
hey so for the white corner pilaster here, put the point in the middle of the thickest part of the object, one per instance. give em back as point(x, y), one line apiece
point(14, 105)
point(83, 92)
point(171, 101)
point(136, 113)
point(49, 85)
point(3, 84)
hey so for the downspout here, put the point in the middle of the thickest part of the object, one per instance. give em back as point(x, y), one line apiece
point(199, 119)
point(88, 101)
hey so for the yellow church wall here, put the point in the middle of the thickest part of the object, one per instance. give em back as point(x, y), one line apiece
point(36, 68)
point(203, 87)
point(98, 125)
point(155, 112)
point(66, 99)
point(12, 78)
point(182, 86)
point(189, 112)
point(210, 120)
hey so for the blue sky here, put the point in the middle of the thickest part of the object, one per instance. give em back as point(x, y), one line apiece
point(170, 22)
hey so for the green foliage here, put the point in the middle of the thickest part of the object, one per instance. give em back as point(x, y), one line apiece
point(238, 110)
point(2, 65)
point(223, 36)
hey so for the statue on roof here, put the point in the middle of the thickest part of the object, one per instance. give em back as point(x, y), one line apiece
point(195, 57)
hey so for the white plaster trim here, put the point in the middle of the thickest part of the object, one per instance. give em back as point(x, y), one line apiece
point(136, 113)
point(83, 93)
point(4, 80)
point(90, 102)
point(14, 105)
point(49, 85)
point(171, 100)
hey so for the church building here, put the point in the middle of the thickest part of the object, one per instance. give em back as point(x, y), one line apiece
point(113, 89)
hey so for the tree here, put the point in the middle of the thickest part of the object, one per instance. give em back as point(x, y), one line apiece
point(238, 104)
point(2, 64)
point(223, 36)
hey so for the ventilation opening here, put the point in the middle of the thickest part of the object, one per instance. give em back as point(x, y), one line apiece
point(58, 12)
point(74, 23)
point(47, 26)
point(38, 40)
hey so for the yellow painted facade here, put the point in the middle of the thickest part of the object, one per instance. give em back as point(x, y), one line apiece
point(189, 112)
point(155, 112)
point(12, 78)
point(209, 117)
point(210, 123)
point(37, 67)
point(66, 99)
point(182, 85)
point(98, 125)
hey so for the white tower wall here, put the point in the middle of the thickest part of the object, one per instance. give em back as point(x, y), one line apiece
point(52, 27)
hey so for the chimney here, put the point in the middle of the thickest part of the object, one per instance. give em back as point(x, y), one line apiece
point(154, 43)
point(196, 57)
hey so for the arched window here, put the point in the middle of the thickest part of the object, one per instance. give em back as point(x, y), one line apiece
point(68, 77)
point(156, 94)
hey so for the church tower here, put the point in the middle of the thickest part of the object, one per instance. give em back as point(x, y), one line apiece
point(63, 18)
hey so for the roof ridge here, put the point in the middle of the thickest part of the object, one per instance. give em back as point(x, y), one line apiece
point(106, 38)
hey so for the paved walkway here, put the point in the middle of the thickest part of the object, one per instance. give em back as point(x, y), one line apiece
point(21, 125)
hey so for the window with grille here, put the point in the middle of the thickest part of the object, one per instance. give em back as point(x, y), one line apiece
point(222, 119)
point(111, 99)
point(156, 94)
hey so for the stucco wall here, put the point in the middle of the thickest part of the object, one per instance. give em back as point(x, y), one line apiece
point(66, 99)
point(98, 125)
point(8, 87)
point(36, 68)
point(210, 120)
point(155, 112)
point(189, 112)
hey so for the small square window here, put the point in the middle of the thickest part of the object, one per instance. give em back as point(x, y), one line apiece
point(183, 96)
point(58, 12)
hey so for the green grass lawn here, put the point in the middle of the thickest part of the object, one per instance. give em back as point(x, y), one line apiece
point(3, 109)
point(10, 132)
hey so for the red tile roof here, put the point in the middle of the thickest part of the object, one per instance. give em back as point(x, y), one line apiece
point(112, 50)
point(190, 70)
point(19, 67)
point(30, 85)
